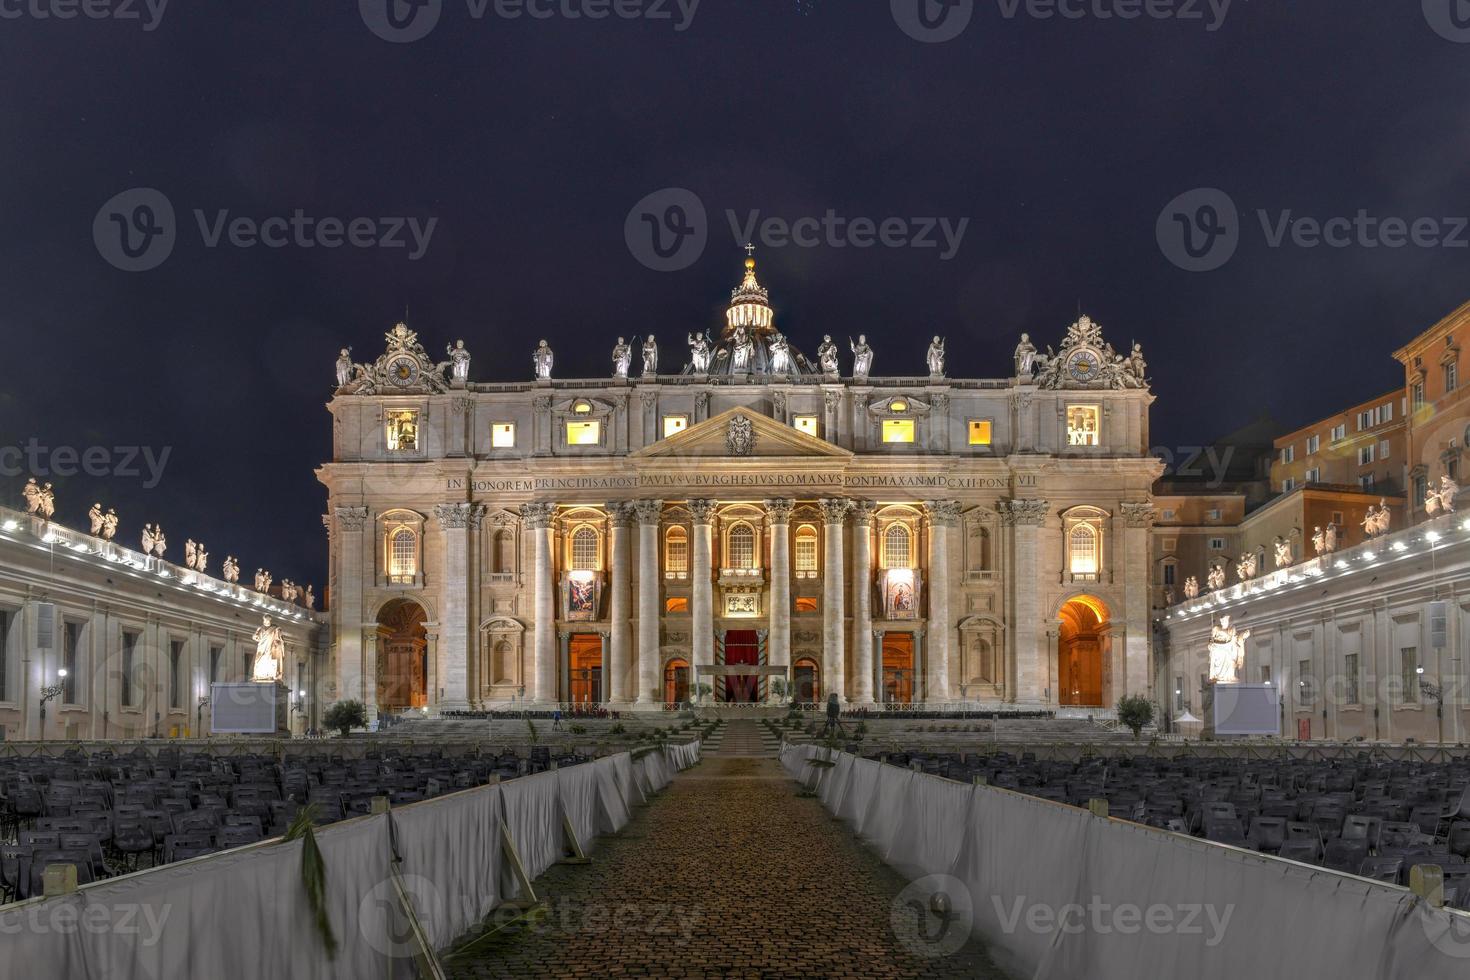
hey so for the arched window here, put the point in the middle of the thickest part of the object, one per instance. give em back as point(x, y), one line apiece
point(403, 555)
point(585, 542)
point(806, 550)
point(676, 551)
point(898, 547)
point(1082, 550)
point(742, 546)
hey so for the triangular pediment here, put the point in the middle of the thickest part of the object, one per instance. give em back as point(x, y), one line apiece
point(768, 439)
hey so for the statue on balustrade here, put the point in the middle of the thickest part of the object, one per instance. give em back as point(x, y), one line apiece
point(97, 519)
point(935, 357)
point(699, 353)
point(862, 358)
point(650, 357)
point(622, 358)
point(827, 356)
point(781, 360)
point(1025, 358)
point(542, 358)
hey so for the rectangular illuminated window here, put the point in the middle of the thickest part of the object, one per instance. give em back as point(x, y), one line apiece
point(1083, 425)
point(806, 604)
point(676, 604)
point(805, 423)
point(403, 432)
point(980, 432)
point(898, 430)
point(675, 424)
point(503, 435)
point(584, 433)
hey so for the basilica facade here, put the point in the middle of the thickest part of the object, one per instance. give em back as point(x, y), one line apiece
point(744, 524)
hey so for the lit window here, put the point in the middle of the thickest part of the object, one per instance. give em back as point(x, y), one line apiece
point(898, 405)
point(582, 408)
point(584, 549)
point(403, 555)
point(1451, 377)
point(676, 604)
point(898, 430)
point(675, 424)
point(1339, 432)
point(503, 435)
point(403, 432)
point(1314, 443)
point(806, 550)
point(805, 423)
point(980, 432)
point(1416, 395)
point(897, 547)
point(1083, 422)
point(1082, 549)
point(676, 551)
point(806, 604)
point(742, 547)
point(584, 433)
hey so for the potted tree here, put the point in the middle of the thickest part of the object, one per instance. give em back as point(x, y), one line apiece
point(344, 716)
point(1136, 712)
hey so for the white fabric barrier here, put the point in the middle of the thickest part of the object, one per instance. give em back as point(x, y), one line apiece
point(244, 913)
point(1058, 893)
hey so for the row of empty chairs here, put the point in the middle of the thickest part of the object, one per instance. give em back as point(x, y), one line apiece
point(108, 814)
point(1367, 817)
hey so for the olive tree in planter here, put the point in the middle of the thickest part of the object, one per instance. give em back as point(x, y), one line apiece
point(344, 716)
point(1135, 711)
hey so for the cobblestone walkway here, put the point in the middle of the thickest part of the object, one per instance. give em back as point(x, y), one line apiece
point(727, 874)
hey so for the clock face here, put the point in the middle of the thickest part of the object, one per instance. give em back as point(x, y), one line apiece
point(403, 371)
point(1084, 366)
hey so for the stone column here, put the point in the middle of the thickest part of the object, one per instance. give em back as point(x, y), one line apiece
point(876, 640)
point(862, 602)
point(620, 654)
point(1133, 552)
point(834, 618)
point(452, 676)
point(778, 515)
point(1024, 519)
point(538, 518)
point(702, 618)
point(943, 516)
point(650, 512)
point(354, 663)
point(564, 672)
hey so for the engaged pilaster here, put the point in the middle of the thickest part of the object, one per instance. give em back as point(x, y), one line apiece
point(620, 517)
point(862, 601)
point(943, 516)
point(778, 516)
point(1023, 519)
point(538, 518)
point(834, 619)
point(650, 513)
point(702, 618)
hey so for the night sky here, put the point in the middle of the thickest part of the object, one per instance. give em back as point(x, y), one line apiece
point(529, 141)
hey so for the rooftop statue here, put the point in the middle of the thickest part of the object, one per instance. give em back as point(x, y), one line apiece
point(742, 350)
point(827, 356)
point(542, 359)
point(781, 360)
point(1025, 358)
point(699, 353)
point(459, 363)
point(935, 357)
point(862, 358)
point(109, 524)
point(650, 357)
point(96, 517)
point(622, 357)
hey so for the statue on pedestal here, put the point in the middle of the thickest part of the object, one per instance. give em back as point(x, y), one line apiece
point(781, 360)
point(270, 652)
point(310, 598)
point(189, 553)
point(1227, 651)
point(201, 560)
point(288, 590)
point(459, 363)
point(650, 357)
point(542, 359)
point(1216, 578)
point(827, 356)
point(96, 517)
point(1377, 520)
point(699, 353)
point(862, 358)
point(32, 492)
point(1191, 588)
point(1246, 568)
point(742, 351)
point(1025, 358)
point(47, 502)
point(231, 569)
point(109, 524)
point(935, 357)
point(622, 358)
point(344, 367)
point(1443, 498)
point(1283, 552)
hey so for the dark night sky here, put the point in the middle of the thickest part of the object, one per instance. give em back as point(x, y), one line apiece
point(530, 141)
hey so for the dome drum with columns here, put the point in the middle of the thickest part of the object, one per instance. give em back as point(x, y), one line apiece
point(744, 534)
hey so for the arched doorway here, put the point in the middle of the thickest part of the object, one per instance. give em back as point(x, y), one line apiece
point(676, 681)
point(1080, 652)
point(403, 656)
point(806, 681)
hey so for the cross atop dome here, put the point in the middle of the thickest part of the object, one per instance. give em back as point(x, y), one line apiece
point(750, 303)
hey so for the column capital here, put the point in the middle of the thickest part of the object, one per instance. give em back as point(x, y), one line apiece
point(459, 516)
point(1023, 513)
point(944, 513)
point(649, 512)
point(1137, 514)
point(834, 509)
point(352, 518)
point(779, 510)
point(620, 513)
point(703, 510)
point(863, 511)
point(538, 515)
